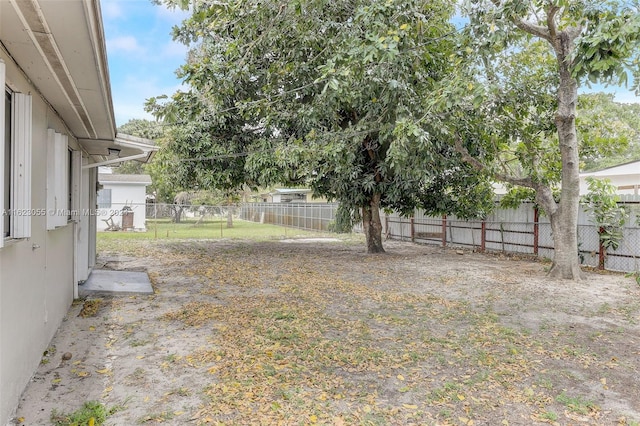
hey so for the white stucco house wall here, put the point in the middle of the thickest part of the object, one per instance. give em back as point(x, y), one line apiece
point(625, 177)
point(56, 126)
point(123, 199)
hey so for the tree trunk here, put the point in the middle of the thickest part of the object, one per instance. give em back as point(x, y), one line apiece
point(177, 214)
point(566, 260)
point(230, 217)
point(564, 220)
point(372, 225)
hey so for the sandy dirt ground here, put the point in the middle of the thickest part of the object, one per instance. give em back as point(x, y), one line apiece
point(318, 332)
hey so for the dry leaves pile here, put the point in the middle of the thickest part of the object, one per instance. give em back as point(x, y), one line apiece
point(303, 335)
point(271, 333)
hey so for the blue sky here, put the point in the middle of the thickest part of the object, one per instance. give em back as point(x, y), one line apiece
point(143, 58)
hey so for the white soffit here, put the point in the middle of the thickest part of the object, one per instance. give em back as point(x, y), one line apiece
point(59, 44)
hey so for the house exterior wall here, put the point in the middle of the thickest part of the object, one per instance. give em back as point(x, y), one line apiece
point(624, 175)
point(36, 274)
point(125, 194)
point(627, 180)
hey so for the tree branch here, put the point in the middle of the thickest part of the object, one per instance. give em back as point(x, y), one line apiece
point(479, 166)
point(529, 27)
point(533, 29)
point(551, 21)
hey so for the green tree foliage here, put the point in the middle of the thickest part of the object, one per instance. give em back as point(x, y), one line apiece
point(323, 94)
point(162, 169)
point(144, 129)
point(129, 168)
point(608, 215)
point(609, 131)
point(522, 108)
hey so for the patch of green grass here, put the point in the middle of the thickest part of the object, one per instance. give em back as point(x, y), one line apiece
point(544, 382)
point(165, 229)
point(443, 393)
point(629, 312)
point(576, 404)
point(605, 308)
point(91, 413)
point(282, 315)
point(549, 415)
point(172, 358)
point(446, 413)
point(156, 417)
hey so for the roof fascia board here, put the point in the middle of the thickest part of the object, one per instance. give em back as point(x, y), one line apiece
point(33, 20)
point(93, 13)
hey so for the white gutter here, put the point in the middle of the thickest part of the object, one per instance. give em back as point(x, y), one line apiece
point(134, 142)
point(127, 141)
point(116, 160)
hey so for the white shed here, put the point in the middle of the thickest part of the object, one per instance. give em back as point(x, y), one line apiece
point(290, 195)
point(122, 201)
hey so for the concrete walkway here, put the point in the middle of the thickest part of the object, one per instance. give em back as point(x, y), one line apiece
point(106, 281)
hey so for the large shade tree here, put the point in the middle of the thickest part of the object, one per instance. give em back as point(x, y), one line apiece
point(587, 41)
point(324, 94)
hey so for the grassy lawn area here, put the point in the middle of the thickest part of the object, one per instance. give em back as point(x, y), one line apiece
point(163, 229)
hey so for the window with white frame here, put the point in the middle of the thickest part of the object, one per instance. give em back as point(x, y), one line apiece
point(104, 198)
point(15, 157)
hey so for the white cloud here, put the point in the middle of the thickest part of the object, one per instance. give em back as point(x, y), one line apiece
point(123, 43)
point(111, 9)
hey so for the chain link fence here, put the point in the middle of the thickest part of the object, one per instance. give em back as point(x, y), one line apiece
point(522, 230)
point(180, 212)
point(308, 216)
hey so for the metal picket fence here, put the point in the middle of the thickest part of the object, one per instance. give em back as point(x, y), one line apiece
point(308, 216)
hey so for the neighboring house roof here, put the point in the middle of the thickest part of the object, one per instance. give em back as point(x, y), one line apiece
point(60, 47)
point(630, 168)
point(290, 191)
point(133, 179)
point(626, 177)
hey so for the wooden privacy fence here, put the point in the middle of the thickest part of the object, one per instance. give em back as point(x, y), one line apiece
point(521, 230)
